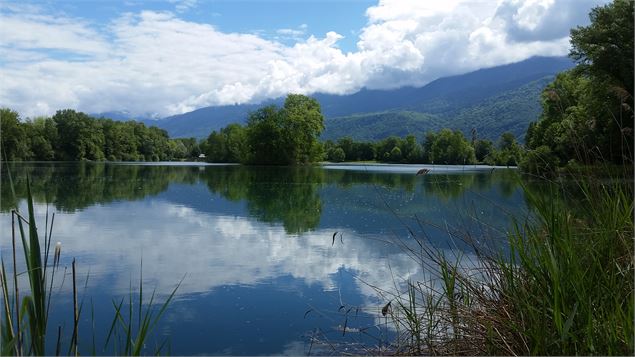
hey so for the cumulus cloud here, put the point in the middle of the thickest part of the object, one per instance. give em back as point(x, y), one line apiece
point(156, 63)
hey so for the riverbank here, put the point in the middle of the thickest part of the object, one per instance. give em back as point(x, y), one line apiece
point(564, 288)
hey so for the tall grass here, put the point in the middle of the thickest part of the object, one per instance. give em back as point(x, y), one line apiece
point(565, 287)
point(25, 315)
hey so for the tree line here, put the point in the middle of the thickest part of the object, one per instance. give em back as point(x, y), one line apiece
point(448, 147)
point(289, 135)
point(74, 136)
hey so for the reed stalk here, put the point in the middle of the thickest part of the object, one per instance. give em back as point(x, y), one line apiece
point(25, 315)
point(564, 287)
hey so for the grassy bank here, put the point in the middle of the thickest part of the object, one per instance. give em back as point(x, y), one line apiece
point(564, 288)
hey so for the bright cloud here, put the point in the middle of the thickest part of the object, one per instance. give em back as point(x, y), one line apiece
point(156, 63)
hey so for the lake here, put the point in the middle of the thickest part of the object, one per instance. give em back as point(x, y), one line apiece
point(269, 259)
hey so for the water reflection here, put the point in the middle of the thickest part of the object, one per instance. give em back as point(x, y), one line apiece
point(255, 244)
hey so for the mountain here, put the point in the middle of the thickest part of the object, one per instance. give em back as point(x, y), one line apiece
point(492, 100)
point(509, 110)
point(122, 116)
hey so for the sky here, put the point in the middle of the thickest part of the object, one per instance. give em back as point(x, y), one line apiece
point(161, 58)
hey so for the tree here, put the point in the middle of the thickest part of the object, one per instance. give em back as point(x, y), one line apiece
point(540, 161)
point(303, 123)
point(395, 155)
point(80, 136)
point(336, 154)
point(587, 112)
point(42, 135)
point(285, 136)
point(228, 145)
point(12, 136)
point(605, 47)
point(484, 149)
point(510, 152)
point(266, 138)
point(411, 150)
point(348, 147)
point(449, 147)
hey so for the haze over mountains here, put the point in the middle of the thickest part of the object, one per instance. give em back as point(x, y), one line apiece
point(492, 100)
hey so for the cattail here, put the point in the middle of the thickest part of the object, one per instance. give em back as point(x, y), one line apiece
point(57, 253)
point(384, 310)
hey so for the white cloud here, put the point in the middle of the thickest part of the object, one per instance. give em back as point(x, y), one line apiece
point(157, 63)
point(184, 5)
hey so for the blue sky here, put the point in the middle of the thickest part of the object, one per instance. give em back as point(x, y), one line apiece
point(159, 58)
point(263, 17)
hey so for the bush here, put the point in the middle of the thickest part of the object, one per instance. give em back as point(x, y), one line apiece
point(336, 154)
point(540, 161)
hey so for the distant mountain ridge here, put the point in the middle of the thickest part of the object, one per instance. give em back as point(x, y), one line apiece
point(492, 100)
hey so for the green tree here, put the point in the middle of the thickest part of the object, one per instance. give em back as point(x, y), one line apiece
point(12, 136)
point(540, 161)
point(120, 142)
point(215, 147)
point(336, 154)
point(412, 152)
point(395, 154)
point(348, 147)
point(303, 123)
point(510, 152)
point(587, 112)
point(80, 137)
point(42, 134)
point(449, 147)
point(484, 149)
point(604, 49)
point(285, 136)
point(266, 137)
point(228, 145)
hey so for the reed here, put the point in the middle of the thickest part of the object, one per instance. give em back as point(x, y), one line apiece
point(26, 313)
point(565, 286)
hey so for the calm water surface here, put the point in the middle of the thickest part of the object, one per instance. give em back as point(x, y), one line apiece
point(253, 246)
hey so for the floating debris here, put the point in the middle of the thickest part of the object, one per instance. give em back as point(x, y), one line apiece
point(346, 329)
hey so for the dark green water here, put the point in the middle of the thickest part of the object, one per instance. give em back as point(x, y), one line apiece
point(262, 271)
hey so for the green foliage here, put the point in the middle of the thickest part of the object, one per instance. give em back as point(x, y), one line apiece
point(484, 150)
point(510, 152)
point(569, 283)
point(42, 135)
point(587, 112)
point(335, 154)
point(539, 161)
point(448, 147)
point(378, 126)
point(76, 186)
point(604, 49)
point(395, 154)
point(12, 136)
point(273, 136)
point(75, 136)
point(511, 110)
point(266, 140)
point(563, 286)
point(303, 124)
point(228, 145)
point(445, 147)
